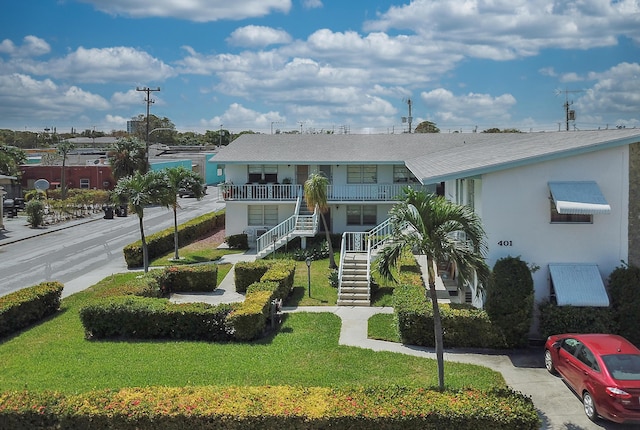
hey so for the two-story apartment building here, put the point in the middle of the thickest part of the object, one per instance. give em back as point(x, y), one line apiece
point(563, 201)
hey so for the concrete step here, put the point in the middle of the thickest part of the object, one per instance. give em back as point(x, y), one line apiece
point(354, 303)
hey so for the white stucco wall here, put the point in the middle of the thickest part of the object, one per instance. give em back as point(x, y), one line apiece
point(515, 208)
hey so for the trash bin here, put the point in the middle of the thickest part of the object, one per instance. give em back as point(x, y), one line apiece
point(122, 210)
point(108, 212)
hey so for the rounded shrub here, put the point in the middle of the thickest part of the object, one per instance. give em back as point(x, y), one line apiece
point(509, 300)
point(35, 212)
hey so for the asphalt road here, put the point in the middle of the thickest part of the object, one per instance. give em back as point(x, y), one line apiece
point(87, 252)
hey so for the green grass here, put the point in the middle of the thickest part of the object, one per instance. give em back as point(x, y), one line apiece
point(191, 256)
point(383, 327)
point(54, 355)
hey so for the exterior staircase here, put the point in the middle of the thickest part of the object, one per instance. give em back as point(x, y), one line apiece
point(354, 282)
point(302, 223)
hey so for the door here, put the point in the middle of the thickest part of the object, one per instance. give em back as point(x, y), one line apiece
point(302, 174)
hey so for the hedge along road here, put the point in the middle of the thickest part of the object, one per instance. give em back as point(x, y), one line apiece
point(81, 253)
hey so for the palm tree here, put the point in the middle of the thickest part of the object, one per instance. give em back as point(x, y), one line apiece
point(128, 156)
point(426, 224)
point(177, 178)
point(64, 148)
point(315, 194)
point(142, 190)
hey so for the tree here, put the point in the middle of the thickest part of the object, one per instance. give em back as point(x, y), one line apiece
point(139, 191)
point(179, 177)
point(11, 158)
point(315, 195)
point(427, 127)
point(127, 157)
point(509, 301)
point(426, 224)
point(63, 149)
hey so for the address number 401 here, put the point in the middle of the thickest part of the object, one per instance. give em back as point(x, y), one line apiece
point(505, 243)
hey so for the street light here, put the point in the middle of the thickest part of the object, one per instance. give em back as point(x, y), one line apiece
point(274, 238)
point(308, 261)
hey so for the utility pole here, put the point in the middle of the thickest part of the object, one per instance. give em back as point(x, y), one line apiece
point(149, 101)
point(408, 118)
point(569, 115)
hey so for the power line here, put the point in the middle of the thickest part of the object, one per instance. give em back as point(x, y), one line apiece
point(149, 101)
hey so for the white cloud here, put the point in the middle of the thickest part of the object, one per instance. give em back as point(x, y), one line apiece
point(468, 108)
point(244, 118)
point(129, 98)
point(312, 4)
point(192, 10)
point(32, 47)
point(22, 96)
point(502, 30)
point(101, 65)
point(256, 36)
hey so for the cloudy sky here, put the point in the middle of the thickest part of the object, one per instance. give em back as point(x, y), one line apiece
point(316, 65)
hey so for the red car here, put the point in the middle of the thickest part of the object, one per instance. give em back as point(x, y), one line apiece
point(603, 369)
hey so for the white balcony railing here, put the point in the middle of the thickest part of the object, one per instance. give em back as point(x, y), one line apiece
point(335, 193)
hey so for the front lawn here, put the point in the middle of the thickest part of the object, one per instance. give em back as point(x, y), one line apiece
point(54, 355)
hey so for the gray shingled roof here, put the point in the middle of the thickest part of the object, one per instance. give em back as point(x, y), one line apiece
point(431, 157)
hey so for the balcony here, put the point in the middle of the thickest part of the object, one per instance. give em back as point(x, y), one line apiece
point(335, 193)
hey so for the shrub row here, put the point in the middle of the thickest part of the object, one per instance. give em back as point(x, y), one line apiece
point(28, 305)
point(186, 279)
point(162, 242)
point(269, 408)
point(237, 241)
point(135, 317)
point(463, 325)
point(250, 318)
point(573, 319)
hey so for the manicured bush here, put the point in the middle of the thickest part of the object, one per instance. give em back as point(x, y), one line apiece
point(134, 317)
point(247, 273)
point(572, 319)
point(249, 320)
point(24, 307)
point(509, 300)
point(270, 408)
point(625, 301)
point(237, 241)
point(35, 212)
point(283, 273)
point(162, 242)
point(463, 325)
point(194, 278)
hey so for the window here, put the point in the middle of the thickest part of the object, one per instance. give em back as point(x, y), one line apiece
point(587, 357)
point(402, 175)
point(362, 174)
point(260, 173)
point(361, 215)
point(571, 345)
point(85, 184)
point(557, 218)
point(260, 215)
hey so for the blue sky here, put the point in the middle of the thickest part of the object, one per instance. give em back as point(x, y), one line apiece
point(316, 65)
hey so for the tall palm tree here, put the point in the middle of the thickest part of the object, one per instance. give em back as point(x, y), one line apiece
point(128, 156)
point(179, 177)
point(64, 148)
point(315, 194)
point(426, 224)
point(142, 190)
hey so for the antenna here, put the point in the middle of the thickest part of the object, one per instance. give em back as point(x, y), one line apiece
point(570, 115)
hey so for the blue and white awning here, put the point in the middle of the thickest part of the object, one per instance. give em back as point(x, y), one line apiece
point(579, 197)
point(576, 284)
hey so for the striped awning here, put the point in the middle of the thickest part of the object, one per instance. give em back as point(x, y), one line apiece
point(578, 284)
point(580, 197)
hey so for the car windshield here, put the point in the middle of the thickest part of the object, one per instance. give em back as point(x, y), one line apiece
point(623, 367)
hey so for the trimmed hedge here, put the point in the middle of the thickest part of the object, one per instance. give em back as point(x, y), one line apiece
point(29, 305)
point(146, 318)
point(464, 326)
point(270, 408)
point(249, 320)
point(185, 279)
point(249, 272)
point(160, 243)
point(572, 319)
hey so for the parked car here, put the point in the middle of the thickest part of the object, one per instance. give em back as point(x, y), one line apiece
point(186, 192)
point(603, 369)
